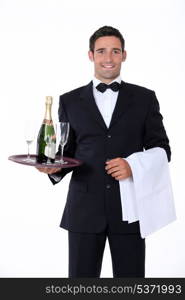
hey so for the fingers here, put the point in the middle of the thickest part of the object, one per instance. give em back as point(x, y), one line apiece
point(49, 170)
point(52, 171)
point(113, 169)
point(121, 177)
point(118, 168)
point(121, 174)
point(117, 162)
point(117, 173)
point(113, 161)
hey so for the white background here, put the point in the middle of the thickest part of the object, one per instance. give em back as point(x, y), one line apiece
point(43, 51)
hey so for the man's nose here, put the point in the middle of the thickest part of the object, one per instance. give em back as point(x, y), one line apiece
point(108, 57)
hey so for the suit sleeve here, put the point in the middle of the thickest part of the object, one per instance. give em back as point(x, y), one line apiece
point(155, 133)
point(69, 148)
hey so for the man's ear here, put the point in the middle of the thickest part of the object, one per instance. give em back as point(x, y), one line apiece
point(124, 55)
point(91, 55)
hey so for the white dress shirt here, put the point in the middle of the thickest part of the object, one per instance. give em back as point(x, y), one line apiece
point(105, 101)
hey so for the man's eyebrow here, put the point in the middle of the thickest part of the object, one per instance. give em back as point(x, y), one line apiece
point(105, 48)
point(100, 49)
point(117, 49)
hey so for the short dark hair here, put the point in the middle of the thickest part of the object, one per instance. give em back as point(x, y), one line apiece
point(106, 31)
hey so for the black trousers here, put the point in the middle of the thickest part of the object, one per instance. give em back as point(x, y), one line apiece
point(86, 254)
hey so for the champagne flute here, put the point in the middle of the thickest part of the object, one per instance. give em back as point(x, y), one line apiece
point(29, 133)
point(62, 129)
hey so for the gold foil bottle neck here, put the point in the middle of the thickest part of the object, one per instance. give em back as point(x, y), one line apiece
point(49, 100)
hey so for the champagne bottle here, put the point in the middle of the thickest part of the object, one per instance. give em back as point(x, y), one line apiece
point(46, 140)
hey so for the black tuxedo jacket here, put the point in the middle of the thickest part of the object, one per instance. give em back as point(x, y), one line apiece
point(93, 200)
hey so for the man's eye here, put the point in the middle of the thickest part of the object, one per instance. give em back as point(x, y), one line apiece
point(100, 51)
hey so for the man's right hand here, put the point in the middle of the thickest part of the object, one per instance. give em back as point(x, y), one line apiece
point(49, 170)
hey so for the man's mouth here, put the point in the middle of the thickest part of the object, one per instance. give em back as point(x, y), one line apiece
point(108, 66)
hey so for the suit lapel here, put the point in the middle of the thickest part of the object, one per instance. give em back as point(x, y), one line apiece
point(123, 102)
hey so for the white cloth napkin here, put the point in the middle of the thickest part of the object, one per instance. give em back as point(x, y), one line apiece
point(147, 196)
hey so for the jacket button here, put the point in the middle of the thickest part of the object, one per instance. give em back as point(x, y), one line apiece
point(109, 136)
point(108, 186)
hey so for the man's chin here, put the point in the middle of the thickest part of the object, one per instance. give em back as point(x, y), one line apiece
point(109, 75)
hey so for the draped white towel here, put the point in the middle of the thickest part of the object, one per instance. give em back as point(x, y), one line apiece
point(147, 196)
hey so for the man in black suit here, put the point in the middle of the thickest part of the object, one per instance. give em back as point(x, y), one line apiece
point(109, 120)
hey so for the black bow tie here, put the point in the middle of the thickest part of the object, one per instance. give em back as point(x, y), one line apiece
point(114, 86)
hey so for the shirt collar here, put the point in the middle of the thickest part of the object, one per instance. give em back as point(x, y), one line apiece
point(96, 81)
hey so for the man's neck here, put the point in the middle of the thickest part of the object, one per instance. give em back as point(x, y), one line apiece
point(108, 81)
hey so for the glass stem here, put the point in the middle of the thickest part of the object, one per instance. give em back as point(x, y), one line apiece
point(28, 151)
point(62, 151)
point(49, 153)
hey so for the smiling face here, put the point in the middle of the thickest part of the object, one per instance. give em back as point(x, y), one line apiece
point(107, 57)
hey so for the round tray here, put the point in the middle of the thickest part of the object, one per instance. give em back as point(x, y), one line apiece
point(21, 159)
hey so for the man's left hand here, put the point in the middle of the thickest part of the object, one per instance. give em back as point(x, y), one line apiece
point(118, 168)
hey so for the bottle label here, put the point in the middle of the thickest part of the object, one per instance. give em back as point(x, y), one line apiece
point(50, 150)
